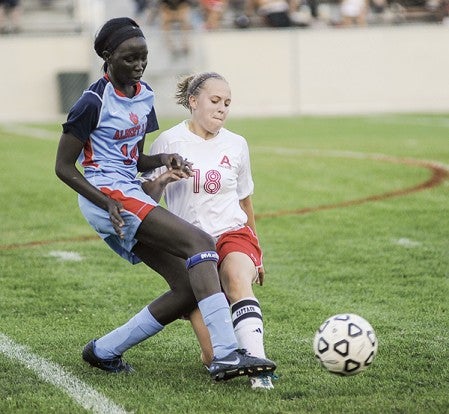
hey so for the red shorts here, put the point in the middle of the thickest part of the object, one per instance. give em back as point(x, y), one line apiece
point(242, 240)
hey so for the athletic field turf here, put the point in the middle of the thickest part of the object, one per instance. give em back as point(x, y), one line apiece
point(353, 216)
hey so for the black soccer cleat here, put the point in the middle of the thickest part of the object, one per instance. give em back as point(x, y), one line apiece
point(239, 363)
point(115, 365)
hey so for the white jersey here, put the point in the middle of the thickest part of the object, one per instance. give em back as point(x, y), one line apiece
point(222, 177)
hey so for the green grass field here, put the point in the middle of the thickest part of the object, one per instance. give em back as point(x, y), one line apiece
point(353, 216)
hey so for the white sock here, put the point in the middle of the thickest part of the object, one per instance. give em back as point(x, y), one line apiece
point(248, 326)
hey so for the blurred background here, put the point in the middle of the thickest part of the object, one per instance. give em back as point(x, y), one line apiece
point(281, 57)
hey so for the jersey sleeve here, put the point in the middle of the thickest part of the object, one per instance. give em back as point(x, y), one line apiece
point(83, 117)
point(152, 123)
point(245, 183)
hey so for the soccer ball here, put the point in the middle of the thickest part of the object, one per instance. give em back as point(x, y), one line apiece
point(345, 344)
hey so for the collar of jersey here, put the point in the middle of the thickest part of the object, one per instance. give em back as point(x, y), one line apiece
point(138, 87)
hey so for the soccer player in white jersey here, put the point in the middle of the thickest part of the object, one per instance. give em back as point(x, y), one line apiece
point(217, 199)
point(105, 132)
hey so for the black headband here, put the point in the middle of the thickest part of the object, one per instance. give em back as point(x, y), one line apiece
point(119, 36)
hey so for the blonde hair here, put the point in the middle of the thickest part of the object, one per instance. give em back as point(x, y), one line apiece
point(191, 85)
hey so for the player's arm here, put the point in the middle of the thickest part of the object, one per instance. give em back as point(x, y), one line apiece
point(175, 169)
point(247, 206)
point(69, 149)
point(150, 162)
point(155, 188)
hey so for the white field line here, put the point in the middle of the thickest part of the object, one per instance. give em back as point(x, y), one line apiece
point(52, 373)
point(66, 256)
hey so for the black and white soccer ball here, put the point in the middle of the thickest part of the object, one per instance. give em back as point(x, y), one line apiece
point(345, 344)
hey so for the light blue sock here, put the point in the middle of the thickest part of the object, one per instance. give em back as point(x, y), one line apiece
point(138, 328)
point(216, 315)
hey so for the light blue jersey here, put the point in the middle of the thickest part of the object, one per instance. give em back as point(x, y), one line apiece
point(111, 125)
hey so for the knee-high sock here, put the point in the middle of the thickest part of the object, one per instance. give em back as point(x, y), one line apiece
point(248, 325)
point(216, 316)
point(138, 328)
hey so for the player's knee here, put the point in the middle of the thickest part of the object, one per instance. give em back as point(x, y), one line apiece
point(202, 241)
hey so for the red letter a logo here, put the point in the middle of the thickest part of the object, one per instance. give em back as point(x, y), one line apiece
point(225, 160)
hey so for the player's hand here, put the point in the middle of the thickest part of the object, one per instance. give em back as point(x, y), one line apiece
point(175, 161)
point(171, 176)
point(260, 276)
point(114, 209)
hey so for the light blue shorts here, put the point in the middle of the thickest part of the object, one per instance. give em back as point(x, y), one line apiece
point(136, 206)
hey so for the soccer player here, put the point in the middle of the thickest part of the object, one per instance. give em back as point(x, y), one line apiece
point(217, 199)
point(105, 131)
